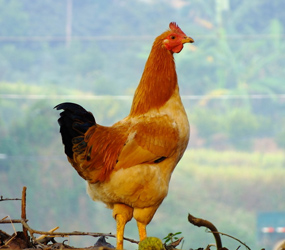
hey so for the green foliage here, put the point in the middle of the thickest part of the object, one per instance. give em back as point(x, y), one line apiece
point(171, 237)
point(226, 58)
point(242, 125)
point(280, 138)
point(236, 126)
point(13, 19)
point(223, 61)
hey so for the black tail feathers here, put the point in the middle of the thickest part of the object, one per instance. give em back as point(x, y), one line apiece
point(74, 121)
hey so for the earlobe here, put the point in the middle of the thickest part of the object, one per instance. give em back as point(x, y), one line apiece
point(165, 41)
point(166, 44)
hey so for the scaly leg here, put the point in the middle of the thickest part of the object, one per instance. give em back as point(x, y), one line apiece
point(122, 214)
point(143, 216)
point(121, 222)
point(142, 230)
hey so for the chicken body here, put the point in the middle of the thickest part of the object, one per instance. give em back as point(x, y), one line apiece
point(128, 166)
point(143, 186)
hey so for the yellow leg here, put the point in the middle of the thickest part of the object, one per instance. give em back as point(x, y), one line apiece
point(142, 230)
point(121, 222)
point(122, 214)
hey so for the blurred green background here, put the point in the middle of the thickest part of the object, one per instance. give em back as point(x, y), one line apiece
point(93, 53)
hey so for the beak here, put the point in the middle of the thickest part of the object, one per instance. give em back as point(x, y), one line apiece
point(187, 39)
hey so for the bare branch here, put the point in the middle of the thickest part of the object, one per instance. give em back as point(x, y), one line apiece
point(23, 207)
point(200, 222)
point(204, 223)
point(63, 234)
point(11, 221)
point(235, 239)
point(23, 212)
point(9, 199)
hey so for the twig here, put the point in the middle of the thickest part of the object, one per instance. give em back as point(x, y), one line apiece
point(63, 234)
point(209, 246)
point(23, 213)
point(4, 218)
point(3, 221)
point(44, 236)
point(234, 239)
point(15, 232)
point(204, 223)
point(9, 199)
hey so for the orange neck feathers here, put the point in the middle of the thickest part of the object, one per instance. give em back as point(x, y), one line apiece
point(158, 81)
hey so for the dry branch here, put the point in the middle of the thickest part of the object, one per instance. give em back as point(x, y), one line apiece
point(23, 213)
point(5, 221)
point(204, 223)
point(64, 234)
point(37, 241)
point(235, 239)
point(9, 199)
point(27, 228)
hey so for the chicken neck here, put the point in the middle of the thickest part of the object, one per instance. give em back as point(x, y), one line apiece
point(158, 81)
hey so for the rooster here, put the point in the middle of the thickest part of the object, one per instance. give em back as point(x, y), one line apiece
point(128, 165)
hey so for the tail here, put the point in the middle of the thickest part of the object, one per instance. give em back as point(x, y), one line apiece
point(74, 122)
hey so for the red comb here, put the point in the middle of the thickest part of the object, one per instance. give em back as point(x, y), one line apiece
point(175, 28)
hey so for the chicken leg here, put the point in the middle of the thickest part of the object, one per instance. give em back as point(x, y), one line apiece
point(121, 222)
point(122, 214)
point(142, 230)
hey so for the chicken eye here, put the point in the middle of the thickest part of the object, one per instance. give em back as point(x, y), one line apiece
point(172, 37)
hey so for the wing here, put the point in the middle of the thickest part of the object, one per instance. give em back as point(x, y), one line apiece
point(100, 155)
point(150, 140)
point(142, 140)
